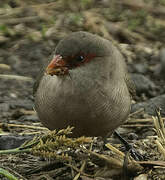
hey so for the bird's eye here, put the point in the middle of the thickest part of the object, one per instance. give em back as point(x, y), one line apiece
point(80, 58)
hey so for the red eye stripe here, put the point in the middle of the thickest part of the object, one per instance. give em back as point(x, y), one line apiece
point(89, 57)
point(75, 60)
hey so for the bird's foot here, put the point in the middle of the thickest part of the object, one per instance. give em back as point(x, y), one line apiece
point(129, 148)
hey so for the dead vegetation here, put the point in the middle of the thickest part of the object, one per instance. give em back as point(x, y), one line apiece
point(137, 25)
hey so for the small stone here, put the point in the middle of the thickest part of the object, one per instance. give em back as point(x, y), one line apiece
point(132, 136)
point(3, 39)
point(141, 68)
point(141, 177)
point(10, 141)
point(26, 104)
point(142, 84)
point(4, 107)
point(150, 105)
point(29, 118)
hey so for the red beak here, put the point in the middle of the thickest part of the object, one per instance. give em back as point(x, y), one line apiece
point(57, 66)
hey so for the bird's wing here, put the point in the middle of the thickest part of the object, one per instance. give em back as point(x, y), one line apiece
point(130, 85)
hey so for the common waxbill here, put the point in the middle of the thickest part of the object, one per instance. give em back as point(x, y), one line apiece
point(85, 85)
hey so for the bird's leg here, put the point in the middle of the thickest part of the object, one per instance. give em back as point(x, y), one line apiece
point(129, 148)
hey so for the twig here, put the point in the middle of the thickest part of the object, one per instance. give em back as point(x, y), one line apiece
point(83, 165)
point(137, 125)
point(160, 147)
point(14, 172)
point(7, 174)
point(29, 133)
point(13, 21)
point(5, 67)
point(147, 120)
point(153, 163)
point(112, 148)
point(23, 126)
point(78, 170)
point(19, 10)
point(81, 170)
point(15, 151)
point(110, 160)
point(16, 77)
point(161, 125)
point(135, 5)
point(116, 163)
point(136, 112)
point(27, 112)
point(160, 129)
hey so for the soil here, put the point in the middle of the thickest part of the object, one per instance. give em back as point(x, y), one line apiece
point(29, 32)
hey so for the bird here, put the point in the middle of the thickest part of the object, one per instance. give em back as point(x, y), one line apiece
point(85, 85)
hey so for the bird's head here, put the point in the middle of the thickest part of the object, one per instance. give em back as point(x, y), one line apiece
point(76, 50)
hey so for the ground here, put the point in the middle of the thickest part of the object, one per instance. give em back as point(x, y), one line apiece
point(29, 32)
